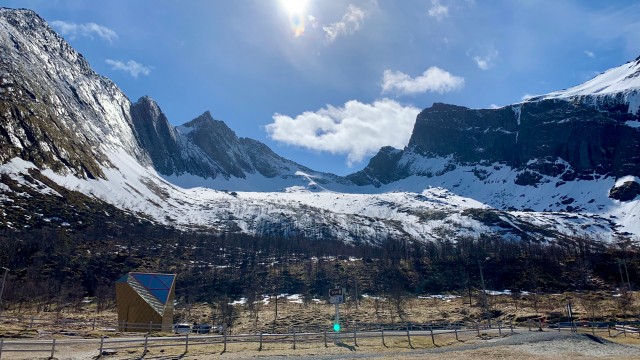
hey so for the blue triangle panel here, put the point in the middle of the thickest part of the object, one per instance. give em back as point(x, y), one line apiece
point(167, 280)
point(160, 294)
point(159, 285)
point(144, 279)
point(154, 283)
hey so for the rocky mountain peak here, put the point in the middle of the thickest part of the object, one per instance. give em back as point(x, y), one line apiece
point(44, 41)
point(152, 113)
point(213, 127)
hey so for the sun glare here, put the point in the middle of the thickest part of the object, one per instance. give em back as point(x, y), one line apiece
point(296, 10)
point(294, 7)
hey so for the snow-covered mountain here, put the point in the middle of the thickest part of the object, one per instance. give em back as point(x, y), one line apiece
point(56, 111)
point(523, 171)
point(245, 164)
point(573, 151)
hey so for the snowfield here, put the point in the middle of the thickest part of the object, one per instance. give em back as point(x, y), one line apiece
point(417, 208)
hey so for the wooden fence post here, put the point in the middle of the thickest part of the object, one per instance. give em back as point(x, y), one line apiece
point(31, 324)
point(624, 330)
point(433, 339)
point(382, 334)
point(224, 349)
point(609, 329)
point(511, 326)
point(53, 348)
point(101, 346)
point(146, 340)
point(500, 327)
point(355, 336)
point(455, 330)
point(529, 324)
point(186, 344)
point(478, 328)
point(93, 325)
point(409, 337)
point(260, 348)
point(325, 337)
point(294, 338)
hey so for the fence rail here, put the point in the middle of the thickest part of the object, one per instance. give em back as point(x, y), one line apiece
point(323, 337)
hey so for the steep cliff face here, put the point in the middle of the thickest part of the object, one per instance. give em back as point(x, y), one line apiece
point(55, 111)
point(581, 133)
point(170, 152)
point(219, 143)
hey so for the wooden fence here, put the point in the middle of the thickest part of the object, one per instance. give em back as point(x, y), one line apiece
point(355, 336)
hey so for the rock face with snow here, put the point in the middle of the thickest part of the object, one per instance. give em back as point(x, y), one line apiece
point(55, 110)
point(240, 158)
point(169, 151)
point(580, 133)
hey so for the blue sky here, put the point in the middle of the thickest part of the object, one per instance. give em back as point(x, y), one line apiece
point(326, 83)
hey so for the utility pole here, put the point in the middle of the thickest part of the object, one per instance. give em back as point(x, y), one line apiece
point(484, 294)
point(624, 263)
point(4, 279)
point(620, 264)
point(356, 291)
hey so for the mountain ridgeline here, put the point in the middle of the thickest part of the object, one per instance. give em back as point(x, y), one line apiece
point(465, 172)
point(553, 137)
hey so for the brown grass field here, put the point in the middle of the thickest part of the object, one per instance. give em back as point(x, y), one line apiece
point(292, 315)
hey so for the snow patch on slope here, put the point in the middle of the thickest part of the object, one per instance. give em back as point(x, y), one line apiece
point(620, 82)
point(432, 213)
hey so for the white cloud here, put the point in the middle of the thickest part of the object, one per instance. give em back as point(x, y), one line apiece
point(313, 21)
point(357, 129)
point(89, 30)
point(590, 54)
point(350, 23)
point(488, 61)
point(134, 68)
point(438, 10)
point(433, 79)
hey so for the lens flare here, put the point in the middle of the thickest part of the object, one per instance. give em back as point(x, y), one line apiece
point(296, 10)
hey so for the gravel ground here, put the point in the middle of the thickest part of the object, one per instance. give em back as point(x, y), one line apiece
point(525, 345)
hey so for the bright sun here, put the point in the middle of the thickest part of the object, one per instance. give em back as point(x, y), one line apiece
point(296, 10)
point(294, 7)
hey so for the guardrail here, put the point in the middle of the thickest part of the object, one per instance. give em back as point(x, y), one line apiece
point(613, 329)
point(62, 323)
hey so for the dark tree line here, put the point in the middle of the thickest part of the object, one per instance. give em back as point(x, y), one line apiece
point(51, 267)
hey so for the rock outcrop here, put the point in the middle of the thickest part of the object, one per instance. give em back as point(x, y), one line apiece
point(572, 134)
